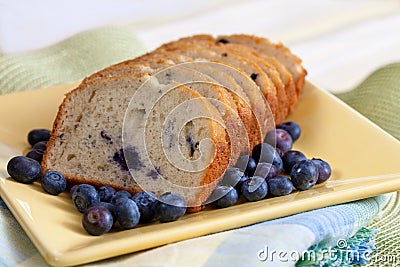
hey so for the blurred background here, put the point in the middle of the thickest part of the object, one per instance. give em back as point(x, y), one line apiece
point(340, 42)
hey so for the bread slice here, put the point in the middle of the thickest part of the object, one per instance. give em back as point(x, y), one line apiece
point(216, 53)
point(243, 104)
point(210, 42)
point(271, 68)
point(220, 97)
point(276, 50)
point(251, 109)
point(231, 95)
point(148, 63)
point(208, 68)
point(87, 146)
point(268, 63)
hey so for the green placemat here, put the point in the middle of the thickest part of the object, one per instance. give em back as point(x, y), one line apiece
point(69, 60)
point(387, 242)
point(378, 98)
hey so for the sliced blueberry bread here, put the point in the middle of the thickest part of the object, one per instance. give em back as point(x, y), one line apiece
point(218, 53)
point(175, 118)
point(93, 142)
point(232, 95)
point(236, 113)
point(272, 75)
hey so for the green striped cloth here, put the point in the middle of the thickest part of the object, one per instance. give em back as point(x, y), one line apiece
point(69, 60)
point(378, 98)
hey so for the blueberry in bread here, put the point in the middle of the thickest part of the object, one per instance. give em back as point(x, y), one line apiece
point(276, 50)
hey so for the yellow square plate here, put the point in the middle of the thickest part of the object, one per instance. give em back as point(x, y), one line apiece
point(364, 160)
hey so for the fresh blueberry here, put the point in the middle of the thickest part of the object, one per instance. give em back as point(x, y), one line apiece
point(123, 193)
point(146, 202)
point(290, 158)
point(97, 220)
point(106, 193)
point(37, 135)
point(280, 186)
point(229, 199)
point(85, 196)
point(119, 195)
point(127, 213)
point(35, 154)
point(266, 153)
point(170, 207)
point(53, 182)
point(304, 174)
point(228, 196)
point(292, 128)
point(266, 170)
point(24, 170)
point(72, 189)
point(324, 170)
point(109, 206)
point(246, 164)
point(280, 139)
point(233, 177)
point(41, 146)
point(255, 188)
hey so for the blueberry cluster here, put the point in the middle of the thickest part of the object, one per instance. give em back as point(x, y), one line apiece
point(27, 169)
point(38, 138)
point(104, 207)
point(274, 169)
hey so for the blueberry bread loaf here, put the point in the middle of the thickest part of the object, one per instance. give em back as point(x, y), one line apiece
point(175, 118)
point(246, 94)
point(224, 89)
point(87, 143)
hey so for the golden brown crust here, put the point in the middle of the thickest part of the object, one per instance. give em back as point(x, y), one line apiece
point(263, 45)
point(214, 172)
point(56, 124)
point(266, 86)
point(272, 73)
point(143, 60)
point(199, 52)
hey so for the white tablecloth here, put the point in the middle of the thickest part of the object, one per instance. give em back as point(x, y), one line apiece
point(340, 42)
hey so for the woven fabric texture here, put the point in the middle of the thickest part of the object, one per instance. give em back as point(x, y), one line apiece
point(67, 61)
point(378, 98)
